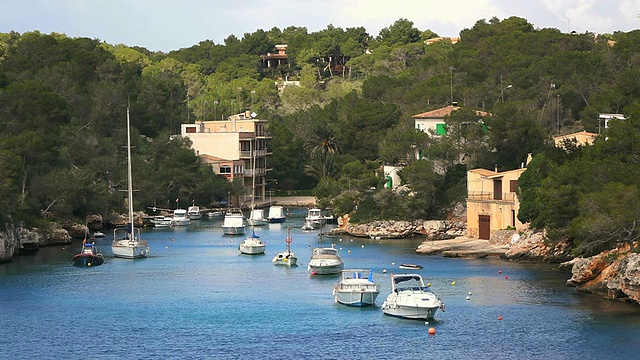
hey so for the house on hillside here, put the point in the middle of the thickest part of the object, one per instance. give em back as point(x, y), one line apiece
point(581, 138)
point(277, 59)
point(432, 122)
point(234, 148)
point(492, 203)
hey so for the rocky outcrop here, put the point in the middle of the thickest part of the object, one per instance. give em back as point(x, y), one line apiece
point(56, 236)
point(437, 229)
point(531, 246)
point(614, 274)
point(8, 244)
point(28, 240)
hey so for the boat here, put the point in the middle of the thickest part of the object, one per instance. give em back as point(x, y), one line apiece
point(356, 288)
point(88, 256)
point(98, 234)
point(287, 257)
point(276, 214)
point(410, 266)
point(180, 218)
point(308, 225)
point(233, 223)
point(127, 242)
point(411, 299)
point(315, 218)
point(161, 221)
point(193, 213)
point(325, 261)
point(215, 213)
point(252, 245)
point(256, 218)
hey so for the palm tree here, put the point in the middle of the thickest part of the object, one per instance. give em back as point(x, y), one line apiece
point(322, 142)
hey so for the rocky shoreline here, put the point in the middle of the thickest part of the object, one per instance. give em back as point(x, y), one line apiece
point(614, 274)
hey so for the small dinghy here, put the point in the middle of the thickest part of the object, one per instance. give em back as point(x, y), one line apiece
point(410, 266)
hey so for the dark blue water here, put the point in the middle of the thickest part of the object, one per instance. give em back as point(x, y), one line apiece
point(195, 297)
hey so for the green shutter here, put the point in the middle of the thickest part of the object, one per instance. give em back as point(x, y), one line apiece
point(441, 129)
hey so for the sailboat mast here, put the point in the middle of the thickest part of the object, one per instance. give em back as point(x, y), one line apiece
point(129, 177)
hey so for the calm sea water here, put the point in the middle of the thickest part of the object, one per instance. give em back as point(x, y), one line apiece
point(196, 297)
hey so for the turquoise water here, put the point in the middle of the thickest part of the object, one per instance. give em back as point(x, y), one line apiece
point(195, 297)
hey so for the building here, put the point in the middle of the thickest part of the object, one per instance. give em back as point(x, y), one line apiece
point(581, 138)
point(273, 61)
point(232, 147)
point(392, 176)
point(492, 203)
point(432, 122)
point(453, 40)
point(603, 120)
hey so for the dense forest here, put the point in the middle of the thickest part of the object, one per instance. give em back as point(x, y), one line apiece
point(63, 111)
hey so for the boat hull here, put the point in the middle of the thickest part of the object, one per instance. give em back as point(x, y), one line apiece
point(129, 250)
point(414, 307)
point(325, 268)
point(276, 220)
point(257, 222)
point(285, 259)
point(87, 260)
point(180, 222)
point(233, 230)
point(356, 298)
point(252, 246)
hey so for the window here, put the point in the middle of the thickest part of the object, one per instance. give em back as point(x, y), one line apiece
point(225, 169)
point(190, 129)
point(513, 185)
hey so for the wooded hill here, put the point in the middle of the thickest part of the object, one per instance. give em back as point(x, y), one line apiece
point(63, 101)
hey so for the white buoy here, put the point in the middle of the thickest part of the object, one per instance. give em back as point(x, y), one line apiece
point(362, 246)
point(469, 292)
point(384, 271)
point(468, 298)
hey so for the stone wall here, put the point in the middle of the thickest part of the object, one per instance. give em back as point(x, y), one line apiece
point(436, 229)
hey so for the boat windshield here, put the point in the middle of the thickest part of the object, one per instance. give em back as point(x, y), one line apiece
point(326, 251)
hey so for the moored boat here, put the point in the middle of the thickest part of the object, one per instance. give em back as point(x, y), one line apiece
point(233, 223)
point(356, 288)
point(287, 257)
point(129, 245)
point(88, 256)
point(180, 218)
point(325, 261)
point(410, 266)
point(252, 245)
point(315, 218)
point(161, 221)
point(256, 218)
point(276, 214)
point(411, 299)
point(193, 212)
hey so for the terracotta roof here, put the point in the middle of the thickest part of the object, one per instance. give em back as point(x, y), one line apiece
point(211, 157)
point(568, 136)
point(442, 112)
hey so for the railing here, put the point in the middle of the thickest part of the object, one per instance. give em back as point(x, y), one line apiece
point(247, 153)
point(249, 172)
point(484, 195)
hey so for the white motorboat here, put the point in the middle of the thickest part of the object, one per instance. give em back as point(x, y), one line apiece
point(315, 218)
point(252, 245)
point(276, 214)
point(126, 241)
point(233, 223)
point(180, 218)
point(215, 213)
point(256, 218)
point(410, 266)
point(411, 299)
point(287, 257)
point(161, 221)
point(356, 288)
point(193, 213)
point(325, 261)
point(307, 226)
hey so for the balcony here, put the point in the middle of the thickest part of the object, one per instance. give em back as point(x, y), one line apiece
point(246, 154)
point(490, 196)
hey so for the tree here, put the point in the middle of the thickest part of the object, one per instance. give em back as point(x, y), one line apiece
point(322, 144)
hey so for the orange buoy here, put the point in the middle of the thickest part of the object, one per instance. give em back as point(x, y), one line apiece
point(432, 331)
point(499, 271)
point(313, 273)
point(499, 317)
point(506, 277)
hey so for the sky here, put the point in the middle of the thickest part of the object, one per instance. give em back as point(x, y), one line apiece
point(165, 25)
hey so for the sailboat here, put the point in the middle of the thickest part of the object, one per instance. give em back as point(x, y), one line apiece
point(252, 245)
point(126, 240)
point(287, 257)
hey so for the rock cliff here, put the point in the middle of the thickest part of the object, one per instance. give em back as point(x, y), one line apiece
point(614, 274)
